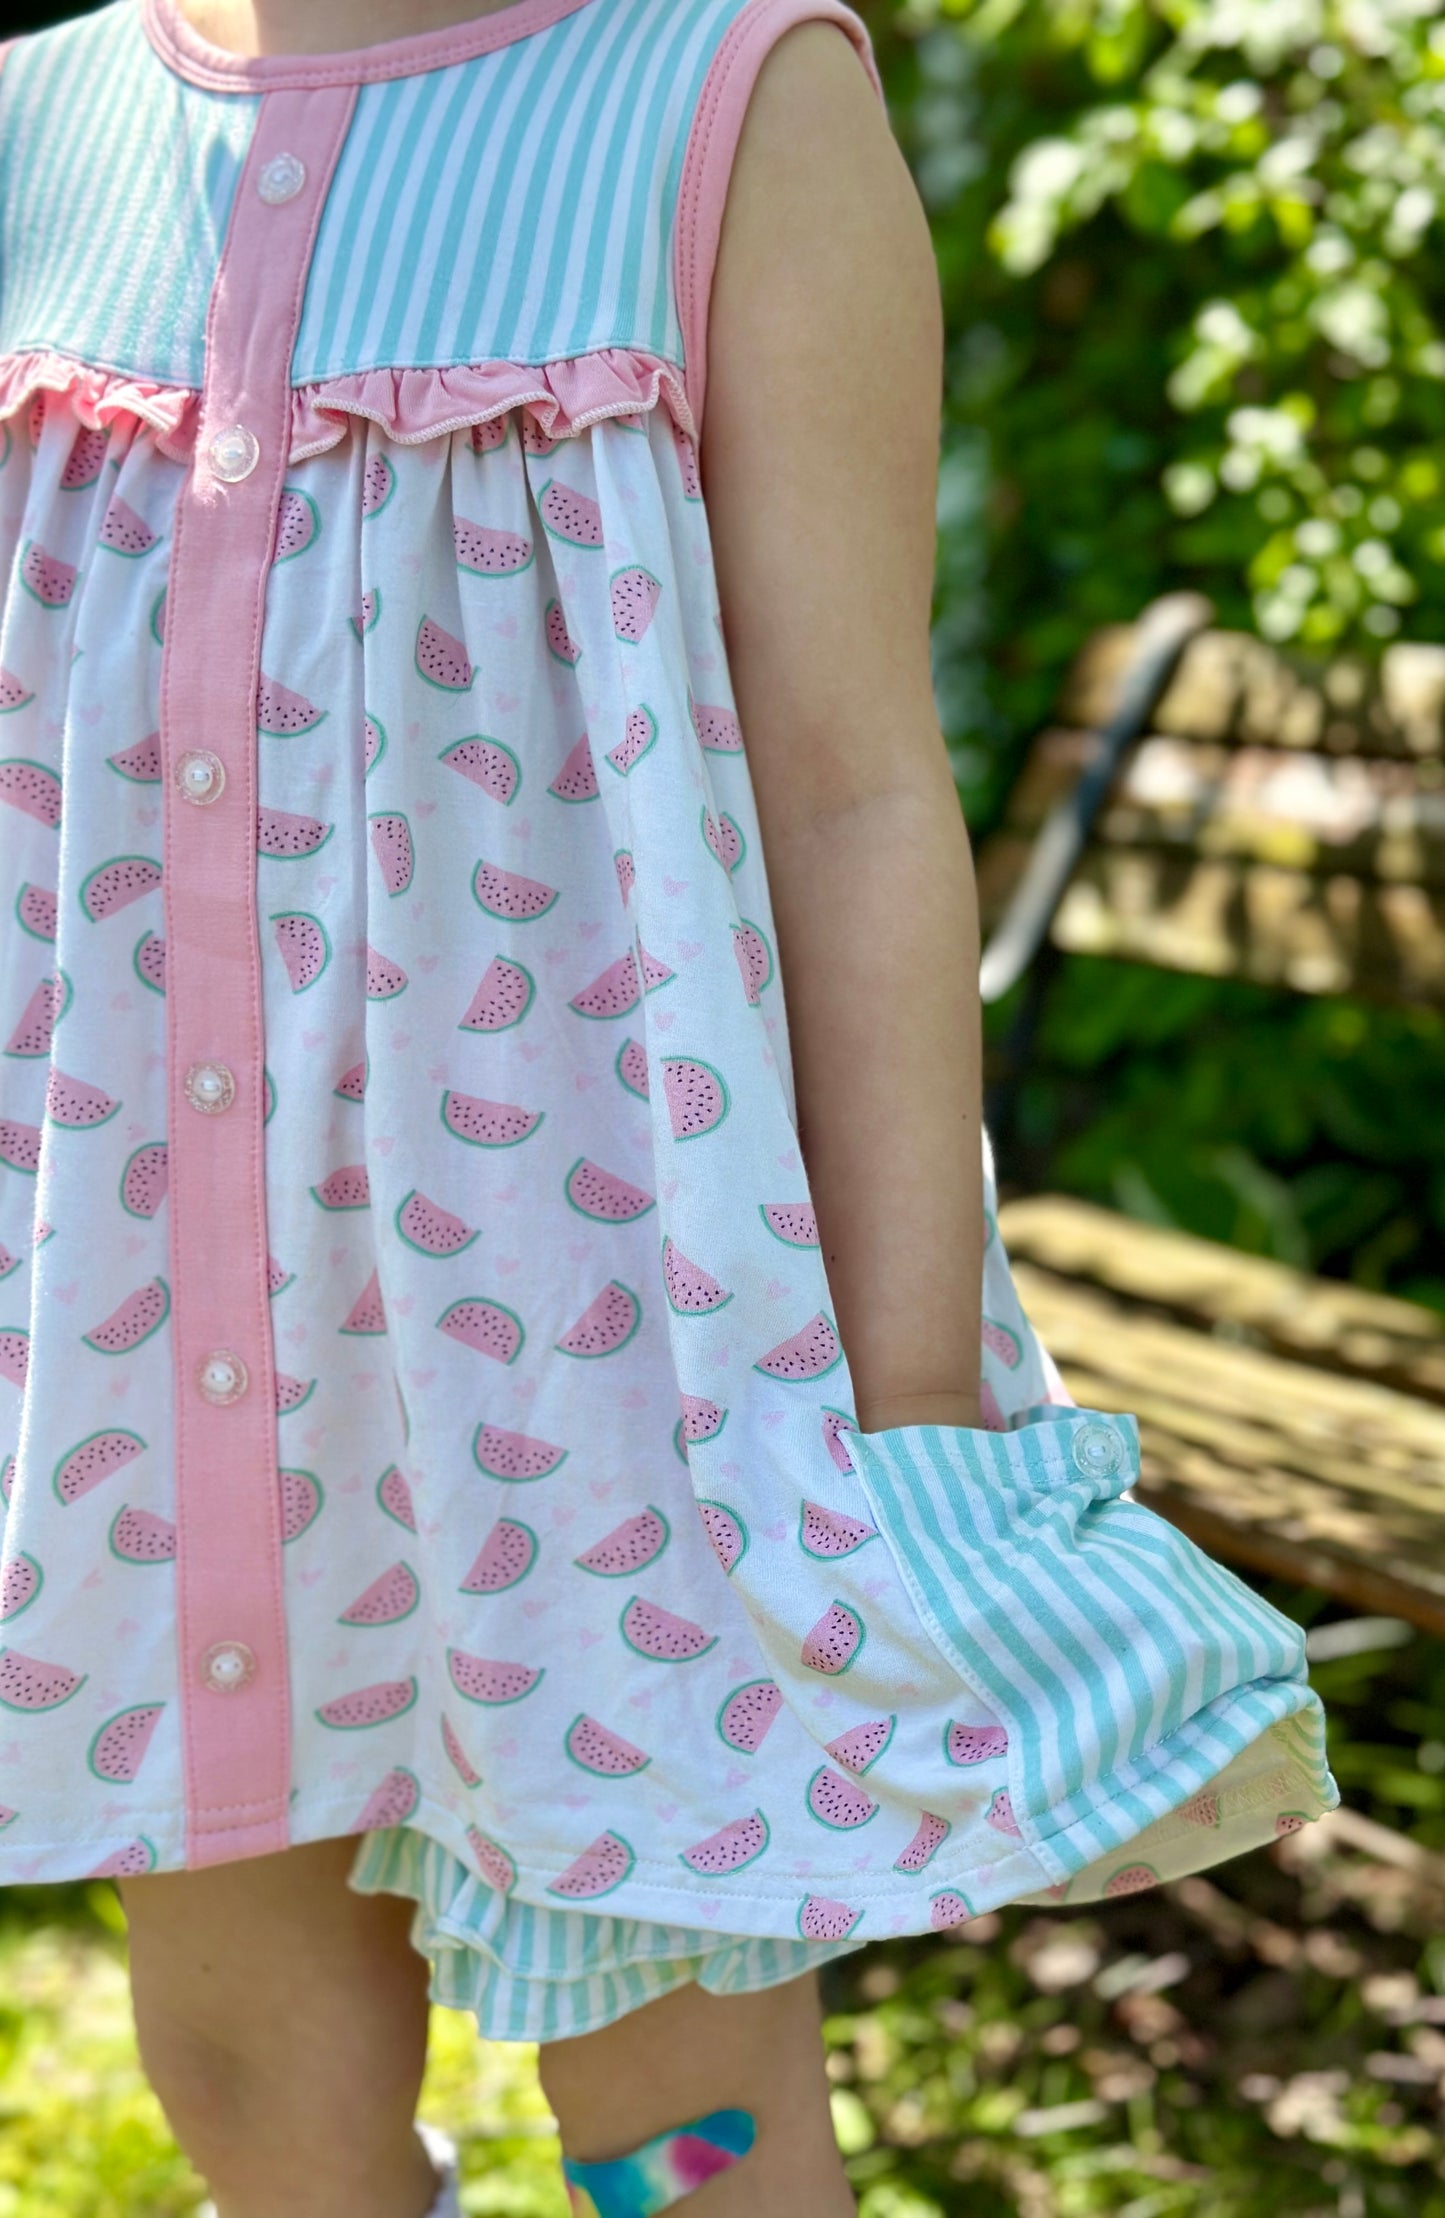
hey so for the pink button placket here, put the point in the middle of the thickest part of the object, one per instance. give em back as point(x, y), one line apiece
point(230, 1614)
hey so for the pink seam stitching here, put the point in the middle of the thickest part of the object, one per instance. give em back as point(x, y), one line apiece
point(747, 42)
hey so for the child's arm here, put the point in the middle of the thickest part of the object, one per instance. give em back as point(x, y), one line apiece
point(820, 460)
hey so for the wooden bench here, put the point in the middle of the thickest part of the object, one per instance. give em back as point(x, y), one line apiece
point(1211, 805)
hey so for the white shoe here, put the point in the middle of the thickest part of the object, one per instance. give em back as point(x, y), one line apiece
point(443, 2152)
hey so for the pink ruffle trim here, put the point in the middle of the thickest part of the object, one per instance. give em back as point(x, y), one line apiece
point(100, 396)
point(561, 397)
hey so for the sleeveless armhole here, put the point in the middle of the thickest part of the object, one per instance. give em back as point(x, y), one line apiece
point(711, 147)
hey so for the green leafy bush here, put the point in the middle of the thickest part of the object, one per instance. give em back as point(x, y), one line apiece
point(1191, 259)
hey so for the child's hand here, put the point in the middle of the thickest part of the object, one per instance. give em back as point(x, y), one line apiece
point(820, 462)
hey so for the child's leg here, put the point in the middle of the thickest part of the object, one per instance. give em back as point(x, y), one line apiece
point(675, 2060)
point(282, 2022)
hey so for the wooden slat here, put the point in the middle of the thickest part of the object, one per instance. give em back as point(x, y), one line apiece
point(1232, 687)
point(1376, 820)
point(1248, 1297)
point(1220, 918)
point(1327, 1480)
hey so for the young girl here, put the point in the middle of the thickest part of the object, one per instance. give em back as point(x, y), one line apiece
point(448, 1549)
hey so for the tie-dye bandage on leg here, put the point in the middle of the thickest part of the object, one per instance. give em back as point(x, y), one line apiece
point(663, 2170)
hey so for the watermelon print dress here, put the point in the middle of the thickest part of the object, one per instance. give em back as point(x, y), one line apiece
point(420, 1411)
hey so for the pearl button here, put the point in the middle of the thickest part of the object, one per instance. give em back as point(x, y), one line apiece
point(226, 1665)
point(200, 775)
point(210, 1088)
point(234, 454)
point(222, 1377)
point(281, 180)
point(1097, 1450)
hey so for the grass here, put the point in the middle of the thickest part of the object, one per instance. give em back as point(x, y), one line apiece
point(1266, 2041)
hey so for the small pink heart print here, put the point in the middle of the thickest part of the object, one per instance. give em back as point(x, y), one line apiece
point(119, 1388)
point(68, 1293)
point(384, 1143)
point(710, 1907)
point(585, 1080)
point(400, 1041)
point(421, 1380)
point(121, 1002)
point(437, 1073)
point(91, 714)
point(326, 885)
point(535, 1609)
point(688, 949)
point(586, 1638)
point(562, 1514)
point(578, 1250)
point(337, 1256)
point(134, 1242)
point(93, 1579)
point(506, 702)
point(600, 1489)
point(735, 1778)
point(353, 1484)
point(148, 816)
point(427, 964)
point(418, 908)
point(775, 1289)
point(667, 1811)
point(403, 1304)
point(667, 1187)
point(311, 1574)
point(509, 1263)
point(589, 931)
point(730, 1470)
point(529, 1050)
point(426, 808)
point(363, 1380)
point(776, 1531)
point(675, 885)
point(574, 1801)
point(505, 627)
point(772, 1417)
point(790, 1160)
point(664, 1019)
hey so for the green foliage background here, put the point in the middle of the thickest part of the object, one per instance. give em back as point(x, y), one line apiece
point(1191, 263)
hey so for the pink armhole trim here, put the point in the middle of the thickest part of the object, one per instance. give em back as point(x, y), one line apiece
point(711, 147)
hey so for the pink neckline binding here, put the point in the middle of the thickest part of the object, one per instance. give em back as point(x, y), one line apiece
point(193, 57)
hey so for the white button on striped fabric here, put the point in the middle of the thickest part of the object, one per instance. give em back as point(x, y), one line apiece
point(1097, 1450)
point(222, 1377)
point(234, 454)
point(227, 1665)
point(210, 1087)
point(281, 180)
point(200, 776)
